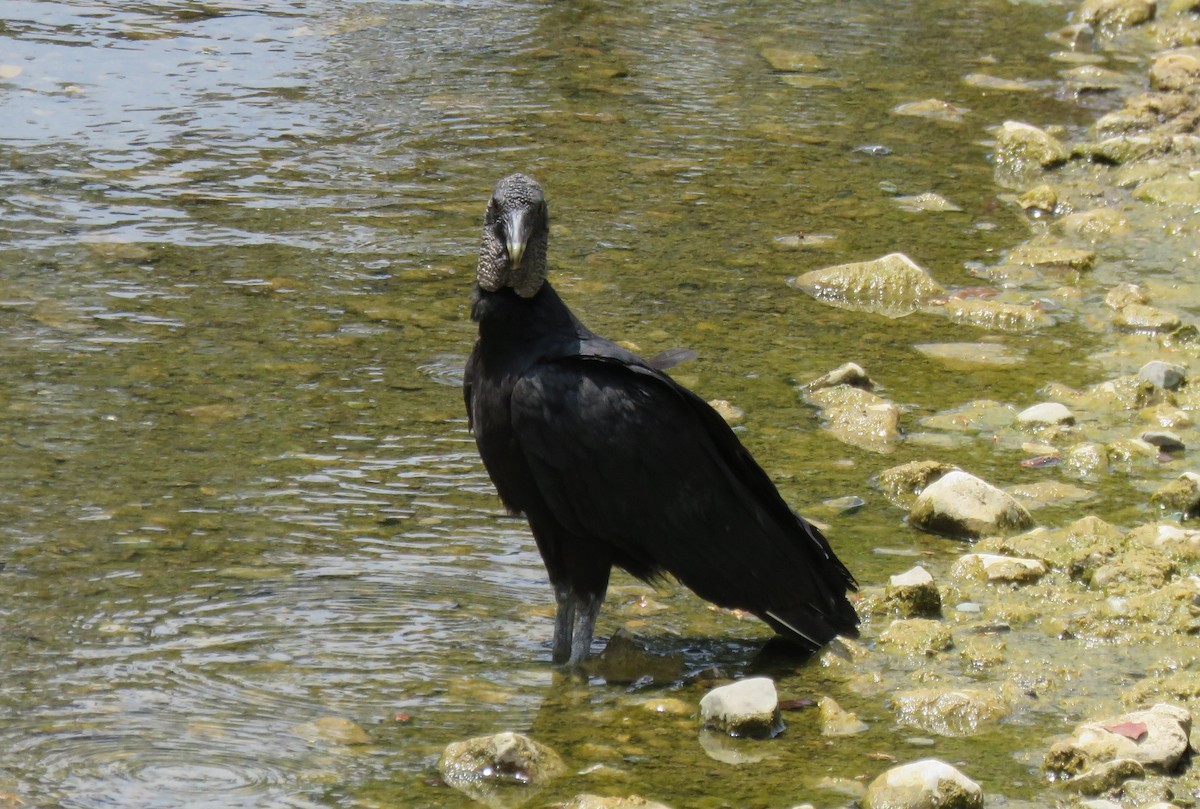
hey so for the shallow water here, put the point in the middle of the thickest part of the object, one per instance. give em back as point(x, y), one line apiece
point(237, 493)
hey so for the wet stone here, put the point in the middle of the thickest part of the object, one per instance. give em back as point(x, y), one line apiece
point(1177, 70)
point(1122, 295)
point(902, 484)
point(913, 594)
point(837, 721)
point(1157, 738)
point(893, 285)
point(1141, 318)
point(1181, 495)
point(1115, 13)
point(916, 637)
point(951, 712)
point(932, 108)
point(748, 707)
point(1105, 777)
point(925, 784)
point(996, 568)
point(1166, 375)
point(850, 373)
point(586, 801)
point(1021, 147)
point(1165, 440)
point(1046, 413)
point(961, 505)
point(478, 765)
point(1049, 256)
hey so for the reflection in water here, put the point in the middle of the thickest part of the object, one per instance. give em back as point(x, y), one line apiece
point(236, 489)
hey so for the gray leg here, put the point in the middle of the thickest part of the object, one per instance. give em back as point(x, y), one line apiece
point(585, 625)
point(564, 624)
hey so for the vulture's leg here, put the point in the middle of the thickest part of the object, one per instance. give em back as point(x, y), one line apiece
point(585, 625)
point(564, 624)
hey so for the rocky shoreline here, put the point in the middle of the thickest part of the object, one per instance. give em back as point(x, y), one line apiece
point(1019, 627)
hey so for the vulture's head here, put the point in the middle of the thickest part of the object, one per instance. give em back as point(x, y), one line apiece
point(515, 233)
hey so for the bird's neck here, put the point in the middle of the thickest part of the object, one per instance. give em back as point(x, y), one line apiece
point(504, 315)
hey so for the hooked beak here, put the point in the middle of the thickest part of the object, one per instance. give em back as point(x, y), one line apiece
point(516, 232)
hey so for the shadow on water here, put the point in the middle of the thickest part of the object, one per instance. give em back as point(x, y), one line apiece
point(237, 493)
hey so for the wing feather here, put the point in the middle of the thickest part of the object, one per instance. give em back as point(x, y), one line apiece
point(625, 457)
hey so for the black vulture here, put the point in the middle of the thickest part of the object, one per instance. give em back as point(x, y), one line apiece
point(614, 463)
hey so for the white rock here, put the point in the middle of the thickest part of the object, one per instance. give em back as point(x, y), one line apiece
point(1046, 413)
point(1161, 374)
point(961, 505)
point(1157, 738)
point(748, 707)
point(924, 784)
point(914, 577)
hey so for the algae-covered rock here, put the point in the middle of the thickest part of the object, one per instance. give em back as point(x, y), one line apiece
point(1094, 224)
point(901, 484)
point(849, 373)
point(998, 315)
point(925, 784)
point(1053, 257)
point(1115, 13)
point(1021, 148)
point(996, 568)
point(1117, 149)
point(913, 594)
point(933, 108)
point(790, 61)
point(1141, 318)
point(1156, 738)
point(1177, 70)
point(961, 505)
point(952, 712)
point(859, 417)
point(837, 721)
point(893, 285)
point(1105, 777)
point(587, 801)
point(487, 766)
point(917, 637)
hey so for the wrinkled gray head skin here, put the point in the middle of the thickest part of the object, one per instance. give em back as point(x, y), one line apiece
point(515, 235)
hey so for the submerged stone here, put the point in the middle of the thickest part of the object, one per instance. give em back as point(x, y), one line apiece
point(954, 712)
point(483, 764)
point(586, 801)
point(1139, 317)
point(893, 285)
point(836, 721)
point(859, 417)
point(989, 314)
point(933, 108)
point(1181, 495)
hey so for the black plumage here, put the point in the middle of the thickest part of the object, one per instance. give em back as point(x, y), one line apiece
point(614, 463)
